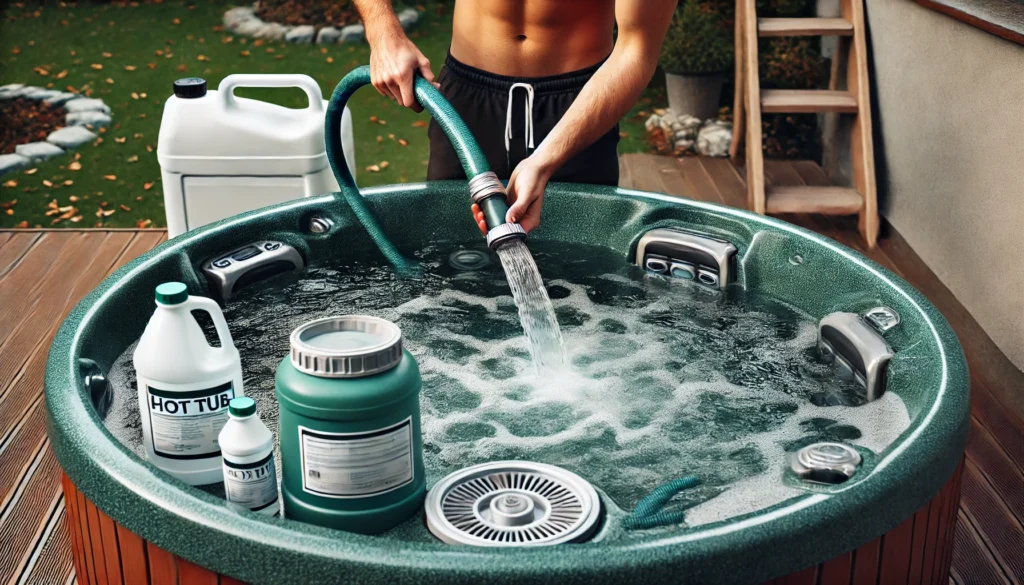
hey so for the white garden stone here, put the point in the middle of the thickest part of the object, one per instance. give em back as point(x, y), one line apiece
point(408, 18)
point(12, 90)
point(250, 28)
point(92, 118)
point(236, 16)
point(328, 36)
point(60, 98)
point(38, 151)
point(300, 34)
point(271, 31)
point(353, 33)
point(40, 93)
point(70, 137)
point(87, 105)
point(714, 138)
point(12, 162)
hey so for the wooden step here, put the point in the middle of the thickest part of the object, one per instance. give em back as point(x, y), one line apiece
point(807, 101)
point(804, 27)
point(807, 199)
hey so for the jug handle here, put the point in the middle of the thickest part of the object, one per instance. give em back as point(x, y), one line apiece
point(210, 307)
point(227, 86)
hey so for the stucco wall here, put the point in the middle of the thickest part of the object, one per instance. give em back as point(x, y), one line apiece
point(951, 156)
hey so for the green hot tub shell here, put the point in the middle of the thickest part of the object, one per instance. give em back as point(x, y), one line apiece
point(928, 373)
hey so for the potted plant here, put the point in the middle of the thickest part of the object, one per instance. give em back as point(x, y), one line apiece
point(696, 54)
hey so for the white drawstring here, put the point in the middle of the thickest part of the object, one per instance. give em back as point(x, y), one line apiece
point(529, 116)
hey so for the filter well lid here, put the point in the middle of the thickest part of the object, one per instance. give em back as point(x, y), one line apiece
point(348, 346)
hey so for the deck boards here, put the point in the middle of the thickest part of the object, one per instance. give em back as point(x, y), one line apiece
point(44, 273)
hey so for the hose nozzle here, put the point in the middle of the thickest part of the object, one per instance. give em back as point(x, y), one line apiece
point(488, 193)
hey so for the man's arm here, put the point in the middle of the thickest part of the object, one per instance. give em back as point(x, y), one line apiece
point(602, 102)
point(393, 57)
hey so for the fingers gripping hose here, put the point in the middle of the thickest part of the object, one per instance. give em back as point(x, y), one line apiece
point(491, 200)
point(649, 512)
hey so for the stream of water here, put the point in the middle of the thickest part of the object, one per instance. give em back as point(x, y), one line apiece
point(535, 310)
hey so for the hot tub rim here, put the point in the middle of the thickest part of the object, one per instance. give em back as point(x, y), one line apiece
point(83, 450)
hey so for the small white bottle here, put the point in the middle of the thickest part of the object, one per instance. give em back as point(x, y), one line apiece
point(250, 478)
point(185, 385)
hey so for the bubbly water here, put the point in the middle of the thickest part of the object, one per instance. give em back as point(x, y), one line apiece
point(535, 310)
point(664, 377)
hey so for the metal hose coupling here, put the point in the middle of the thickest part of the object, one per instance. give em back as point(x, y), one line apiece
point(487, 192)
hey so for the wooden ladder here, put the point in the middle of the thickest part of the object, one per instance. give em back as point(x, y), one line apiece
point(854, 100)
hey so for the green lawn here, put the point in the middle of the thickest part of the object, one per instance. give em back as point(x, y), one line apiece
point(161, 42)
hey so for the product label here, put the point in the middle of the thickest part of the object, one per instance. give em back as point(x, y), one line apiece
point(185, 425)
point(253, 485)
point(355, 465)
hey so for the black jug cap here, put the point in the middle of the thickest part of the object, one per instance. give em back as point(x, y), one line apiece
point(190, 87)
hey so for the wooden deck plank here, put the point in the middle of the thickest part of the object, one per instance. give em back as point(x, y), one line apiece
point(973, 564)
point(54, 563)
point(23, 523)
point(1003, 475)
point(14, 249)
point(998, 529)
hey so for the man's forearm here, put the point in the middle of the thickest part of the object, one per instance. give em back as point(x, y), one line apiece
point(603, 101)
point(379, 19)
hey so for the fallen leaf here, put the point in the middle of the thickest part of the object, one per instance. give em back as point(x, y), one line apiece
point(52, 204)
point(227, 40)
point(73, 199)
point(124, 207)
point(137, 135)
point(47, 183)
point(132, 159)
point(176, 21)
point(135, 96)
point(51, 213)
point(22, 224)
point(103, 204)
point(384, 164)
point(202, 58)
point(270, 49)
point(41, 71)
point(380, 139)
point(149, 148)
point(11, 183)
point(623, 134)
point(151, 65)
point(31, 171)
point(75, 166)
point(66, 209)
point(15, 51)
point(68, 183)
point(139, 198)
point(278, 57)
point(109, 81)
point(373, 168)
point(420, 124)
point(382, 122)
point(121, 139)
point(107, 55)
point(96, 66)
point(245, 53)
point(110, 177)
point(143, 223)
point(330, 59)
point(76, 219)
point(403, 142)
point(391, 136)
point(109, 212)
point(10, 212)
point(129, 68)
point(62, 74)
point(182, 68)
point(258, 43)
point(147, 186)
point(373, 118)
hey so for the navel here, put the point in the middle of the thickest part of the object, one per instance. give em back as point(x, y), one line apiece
point(520, 38)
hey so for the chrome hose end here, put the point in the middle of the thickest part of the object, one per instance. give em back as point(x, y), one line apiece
point(485, 185)
point(500, 234)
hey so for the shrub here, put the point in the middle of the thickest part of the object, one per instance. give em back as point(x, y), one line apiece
point(699, 40)
point(790, 63)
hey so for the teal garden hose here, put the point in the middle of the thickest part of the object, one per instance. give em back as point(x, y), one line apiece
point(486, 191)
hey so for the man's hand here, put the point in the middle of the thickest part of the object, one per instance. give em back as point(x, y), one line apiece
point(394, 59)
point(526, 191)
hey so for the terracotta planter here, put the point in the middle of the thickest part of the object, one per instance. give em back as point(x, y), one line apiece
point(695, 95)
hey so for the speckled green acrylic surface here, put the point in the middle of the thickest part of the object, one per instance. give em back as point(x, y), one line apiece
point(929, 373)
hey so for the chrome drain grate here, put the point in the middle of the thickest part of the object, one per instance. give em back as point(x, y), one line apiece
point(512, 503)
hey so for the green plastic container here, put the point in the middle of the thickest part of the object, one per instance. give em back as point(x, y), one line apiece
point(351, 448)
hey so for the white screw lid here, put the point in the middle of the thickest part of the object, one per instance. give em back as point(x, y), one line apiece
point(349, 346)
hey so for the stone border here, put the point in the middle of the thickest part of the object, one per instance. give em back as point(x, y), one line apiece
point(82, 114)
point(242, 20)
point(688, 134)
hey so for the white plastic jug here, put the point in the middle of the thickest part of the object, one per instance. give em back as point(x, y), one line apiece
point(221, 155)
point(250, 476)
point(185, 386)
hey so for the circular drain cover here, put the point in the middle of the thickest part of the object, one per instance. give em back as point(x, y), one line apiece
point(512, 503)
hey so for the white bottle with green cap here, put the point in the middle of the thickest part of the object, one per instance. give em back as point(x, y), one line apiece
point(250, 478)
point(185, 385)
